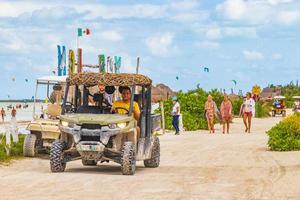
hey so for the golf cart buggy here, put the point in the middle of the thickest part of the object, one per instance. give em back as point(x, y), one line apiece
point(279, 106)
point(93, 133)
point(296, 105)
point(44, 126)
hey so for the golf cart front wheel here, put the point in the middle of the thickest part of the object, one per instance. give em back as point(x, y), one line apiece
point(57, 163)
point(128, 160)
point(29, 146)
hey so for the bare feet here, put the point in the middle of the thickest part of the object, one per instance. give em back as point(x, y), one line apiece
point(246, 130)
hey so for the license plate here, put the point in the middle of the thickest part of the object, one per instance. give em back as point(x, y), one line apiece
point(90, 148)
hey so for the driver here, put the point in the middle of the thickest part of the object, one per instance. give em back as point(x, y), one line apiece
point(123, 106)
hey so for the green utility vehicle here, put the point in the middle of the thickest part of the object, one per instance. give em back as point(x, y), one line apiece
point(93, 133)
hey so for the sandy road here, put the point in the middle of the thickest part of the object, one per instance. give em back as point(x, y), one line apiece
point(194, 165)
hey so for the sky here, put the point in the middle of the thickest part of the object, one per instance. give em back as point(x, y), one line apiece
point(250, 41)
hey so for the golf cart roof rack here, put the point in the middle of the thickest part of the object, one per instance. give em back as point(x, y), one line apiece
point(51, 79)
point(108, 79)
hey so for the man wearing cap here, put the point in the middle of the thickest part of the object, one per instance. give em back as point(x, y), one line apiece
point(176, 113)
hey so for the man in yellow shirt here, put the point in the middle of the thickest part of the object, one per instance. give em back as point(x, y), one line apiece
point(123, 106)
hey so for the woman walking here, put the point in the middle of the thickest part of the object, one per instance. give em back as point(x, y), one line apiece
point(210, 108)
point(247, 112)
point(226, 110)
point(175, 113)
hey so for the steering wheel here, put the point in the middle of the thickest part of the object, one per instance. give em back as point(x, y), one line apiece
point(69, 107)
point(121, 108)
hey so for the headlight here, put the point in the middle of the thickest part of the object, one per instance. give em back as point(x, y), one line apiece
point(112, 126)
point(64, 123)
point(121, 125)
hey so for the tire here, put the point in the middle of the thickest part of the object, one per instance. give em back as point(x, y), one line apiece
point(128, 160)
point(283, 113)
point(89, 162)
point(155, 155)
point(273, 113)
point(29, 146)
point(56, 156)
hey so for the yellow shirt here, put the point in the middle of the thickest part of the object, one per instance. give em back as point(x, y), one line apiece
point(122, 104)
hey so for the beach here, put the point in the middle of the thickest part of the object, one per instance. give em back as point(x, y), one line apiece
point(194, 165)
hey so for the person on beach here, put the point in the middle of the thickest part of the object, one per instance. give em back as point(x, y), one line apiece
point(3, 114)
point(247, 112)
point(210, 110)
point(226, 110)
point(13, 113)
point(175, 114)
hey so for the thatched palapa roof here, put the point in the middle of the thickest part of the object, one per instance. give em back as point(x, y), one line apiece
point(108, 79)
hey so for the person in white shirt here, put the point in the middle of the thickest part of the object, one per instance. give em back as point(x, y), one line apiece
point(176, 113)
point(247, 111)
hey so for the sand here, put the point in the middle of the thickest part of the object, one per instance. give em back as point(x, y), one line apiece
point(194, 165)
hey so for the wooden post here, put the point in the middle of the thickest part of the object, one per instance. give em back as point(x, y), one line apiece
point(79, 60)
point(8, 142)
point(162, 116)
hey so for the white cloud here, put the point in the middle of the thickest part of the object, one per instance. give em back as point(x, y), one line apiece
point(276, 56)
point(249, 32)
point(208, 45)
point(161, 45)
point(253, 55)
point(277, 2)
point(185, 4)
point(111, 36)
point(260, 11)
point(213, 33)
point(233, 9)
point(216, 32)
point(289, 17)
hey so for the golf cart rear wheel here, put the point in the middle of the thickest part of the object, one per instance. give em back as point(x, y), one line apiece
point(29, 146)
point(155, 155)
point(56, 156)
point(284, 113)
point(128, 160)
point(89, 162)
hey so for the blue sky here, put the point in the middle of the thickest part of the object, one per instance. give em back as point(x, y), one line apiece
point(250, 41)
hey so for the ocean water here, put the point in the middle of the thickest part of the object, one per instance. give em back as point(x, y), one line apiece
point(23, 114)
